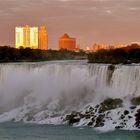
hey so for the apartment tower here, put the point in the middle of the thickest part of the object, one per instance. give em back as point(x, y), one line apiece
point(43, 38)
point(26, 37)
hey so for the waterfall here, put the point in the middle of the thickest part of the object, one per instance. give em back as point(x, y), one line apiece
point(64, 86)
point(53, 80)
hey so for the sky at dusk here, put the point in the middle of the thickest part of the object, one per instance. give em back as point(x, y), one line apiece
point(90, 21)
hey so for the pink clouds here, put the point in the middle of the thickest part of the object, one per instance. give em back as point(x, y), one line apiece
point(101, 21)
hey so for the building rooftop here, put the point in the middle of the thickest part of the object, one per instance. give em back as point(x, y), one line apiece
point(65, 36)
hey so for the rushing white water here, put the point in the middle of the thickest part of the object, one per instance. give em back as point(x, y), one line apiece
point(56, 88)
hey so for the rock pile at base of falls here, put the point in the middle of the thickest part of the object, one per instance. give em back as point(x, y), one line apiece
point(109, 113)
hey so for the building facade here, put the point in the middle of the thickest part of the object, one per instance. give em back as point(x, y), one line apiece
point(31, 37)
point(43, 38)
point(66, 42)
point(26, 37)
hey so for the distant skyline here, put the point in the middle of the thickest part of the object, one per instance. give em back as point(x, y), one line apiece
point(89, 21)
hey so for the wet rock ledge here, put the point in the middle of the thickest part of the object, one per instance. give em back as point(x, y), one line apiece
point(110, 111)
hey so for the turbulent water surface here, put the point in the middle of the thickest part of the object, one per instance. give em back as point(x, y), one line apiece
point(20, 131)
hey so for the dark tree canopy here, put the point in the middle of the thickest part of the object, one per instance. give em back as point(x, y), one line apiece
point(130, 54)
point(9, 54)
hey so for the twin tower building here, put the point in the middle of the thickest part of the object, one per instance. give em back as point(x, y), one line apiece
point(31, 37)
point(37, 38)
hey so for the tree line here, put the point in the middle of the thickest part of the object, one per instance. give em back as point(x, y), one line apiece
point(129, 54)
point(10, 54)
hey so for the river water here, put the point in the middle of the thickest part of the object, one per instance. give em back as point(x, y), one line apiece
point(21, 131)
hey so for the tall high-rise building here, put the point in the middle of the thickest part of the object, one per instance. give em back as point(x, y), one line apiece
point(43, 38)
point(66, 42)
point(26, 37)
